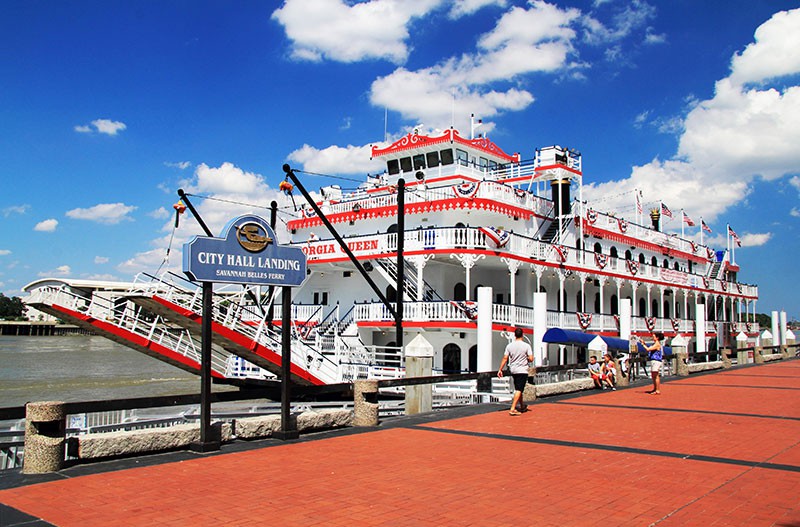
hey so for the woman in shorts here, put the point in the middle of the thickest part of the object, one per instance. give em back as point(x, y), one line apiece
point(656, 356)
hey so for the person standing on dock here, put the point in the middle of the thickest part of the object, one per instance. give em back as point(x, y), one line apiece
point(656, 356)
point(518, 356)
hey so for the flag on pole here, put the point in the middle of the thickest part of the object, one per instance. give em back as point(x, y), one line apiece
point(665, 211)
point(705, 227)
point(734, 236)
point(687, 220)
point(638, 201)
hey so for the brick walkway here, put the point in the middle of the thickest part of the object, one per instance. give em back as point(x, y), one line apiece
point(712, 450)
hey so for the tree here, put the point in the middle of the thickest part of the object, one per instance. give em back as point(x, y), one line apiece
point(11, 308)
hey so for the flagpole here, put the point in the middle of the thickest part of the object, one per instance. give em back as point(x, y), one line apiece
point(701, 230)
point(683, 220)
point(661, 216)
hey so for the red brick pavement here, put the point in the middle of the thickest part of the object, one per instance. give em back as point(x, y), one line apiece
point(714, 450)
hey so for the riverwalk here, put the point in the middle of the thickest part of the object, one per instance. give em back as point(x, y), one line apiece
point(713, 449)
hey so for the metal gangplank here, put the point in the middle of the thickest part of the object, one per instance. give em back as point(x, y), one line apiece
point(117, 320)
point(257, 342)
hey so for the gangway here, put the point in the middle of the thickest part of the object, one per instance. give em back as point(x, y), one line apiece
point(258, 343)
point(117, 321)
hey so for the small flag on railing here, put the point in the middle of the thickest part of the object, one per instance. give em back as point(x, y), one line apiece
point(705, 227)
point(665, 211)
point(687, 220)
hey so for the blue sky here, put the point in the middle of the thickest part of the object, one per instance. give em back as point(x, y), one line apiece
point(109, 107)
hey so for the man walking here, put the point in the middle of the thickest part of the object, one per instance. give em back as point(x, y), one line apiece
point(518, 355)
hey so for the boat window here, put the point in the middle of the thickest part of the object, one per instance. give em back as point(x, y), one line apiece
point(492, 165)
point(666, 309)
point(654, 261)
point(613, 252)
point(393, 165)
point(641, 258)
point(690, 266)
point(614, 305)
point(391, 294)
point(484, 162)
point(461, 155)
point(451, 358)
point(321, 298)
point(598, 248)
point(419, 161)
point(460, 292)
point(628, 255)
point(447, 156)
point(676, 267)
point(433, 159)
point(666, 263)
point(642, 307)
point(654, 303)
point(597, 303)
point(405, 164)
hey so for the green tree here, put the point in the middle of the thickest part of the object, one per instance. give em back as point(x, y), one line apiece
point(11, 308)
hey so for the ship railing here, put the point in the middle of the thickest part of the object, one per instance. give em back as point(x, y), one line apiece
point(640, 232)
point(442, 311)
point(489, 190)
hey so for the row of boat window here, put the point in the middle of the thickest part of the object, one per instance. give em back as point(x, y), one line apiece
point(435, 159)
point(642, 258)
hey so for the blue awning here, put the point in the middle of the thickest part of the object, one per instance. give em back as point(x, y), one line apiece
point(570, 336)
point(579, 338)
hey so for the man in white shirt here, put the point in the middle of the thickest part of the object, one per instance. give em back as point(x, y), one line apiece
point(518, 355)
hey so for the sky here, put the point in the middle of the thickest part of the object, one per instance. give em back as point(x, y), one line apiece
point(108, 108)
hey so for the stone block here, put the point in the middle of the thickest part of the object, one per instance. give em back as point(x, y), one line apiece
point(705, 366)
point(128, 442)
point(555, 388)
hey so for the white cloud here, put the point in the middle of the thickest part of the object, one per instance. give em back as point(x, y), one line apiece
point(626, 21)
point(346, 32)
point(795, 212)
point(182, 165)
point(60, 271)
point(727, 141)
point(773, 54)
point(101, 259)
point(15, 209)
point(536, 39)
point(336, 159)
point(755, 239)
point(108, 213)
point(795, 182)
point(160, 213)
point(4, 252)
point(462, 8)
point(231, 192)
point(102, 126)
point(46, 225)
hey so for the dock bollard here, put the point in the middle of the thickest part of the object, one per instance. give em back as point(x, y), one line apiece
point(758, 355)
point(45, 437)
point(741, 354)
point(365, 407)
point(681, 360)
point(726, 359)
point(529, 394)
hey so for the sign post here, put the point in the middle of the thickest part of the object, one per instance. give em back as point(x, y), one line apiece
point(246, 254)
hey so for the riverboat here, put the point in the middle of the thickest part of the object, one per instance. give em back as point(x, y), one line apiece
point(487, 242)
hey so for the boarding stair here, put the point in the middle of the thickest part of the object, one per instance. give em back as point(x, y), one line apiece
point(118, 320)
point(387, 268)
point(237, 326)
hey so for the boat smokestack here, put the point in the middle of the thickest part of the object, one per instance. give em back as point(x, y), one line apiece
point(560, 195)
point(655, 217)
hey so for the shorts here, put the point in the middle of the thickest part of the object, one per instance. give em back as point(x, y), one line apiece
point(520, 380)
point(655, 366)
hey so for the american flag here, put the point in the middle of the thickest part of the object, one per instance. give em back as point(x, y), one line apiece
point(687, 220)
point(665, 211)
point(705, 227)
point(734, 236)
point(638, 201)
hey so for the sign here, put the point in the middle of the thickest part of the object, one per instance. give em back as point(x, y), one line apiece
point(245, 253)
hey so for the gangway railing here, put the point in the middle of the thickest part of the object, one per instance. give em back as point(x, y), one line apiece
point(230, 310)
point(130, 318)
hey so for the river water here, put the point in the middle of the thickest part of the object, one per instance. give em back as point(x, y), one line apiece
point(83, 368)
